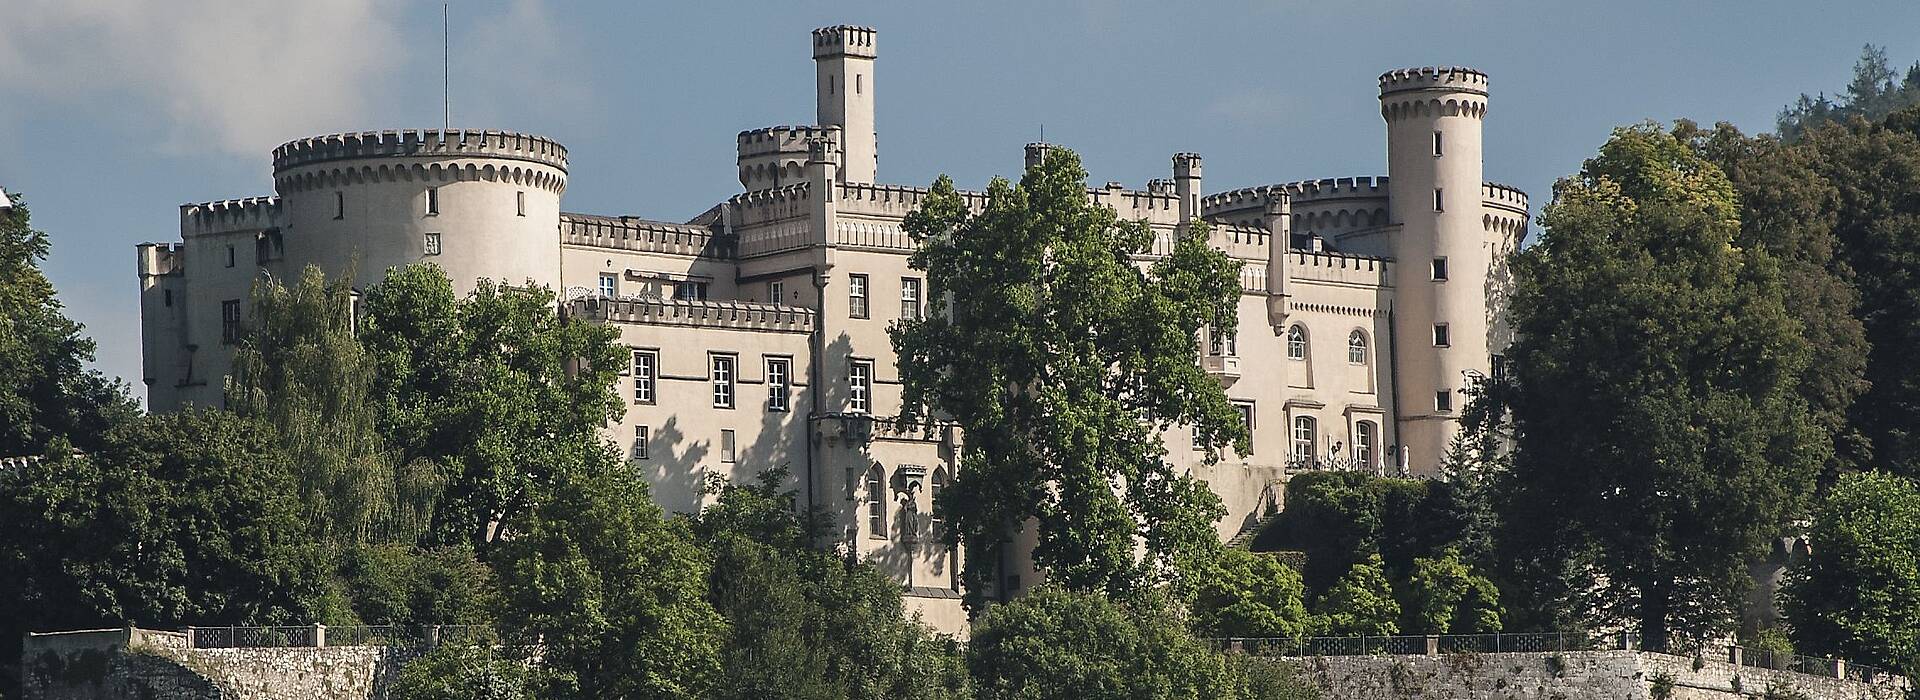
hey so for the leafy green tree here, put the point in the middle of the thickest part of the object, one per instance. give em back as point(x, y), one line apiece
point(46, 391)
point(180, 519)
point(802, 623)
point(395, 584)
point(1789, 209)
point(497, 386)
point(1340, 518)
point(1445, 596)
point(1361, 602)
point(1858, 595)
point(1243, 594)
point(1056, 643)
point(300, 369)
point(1659, 439)
point(615, 591)
point(457, 672)
point(1063, 359)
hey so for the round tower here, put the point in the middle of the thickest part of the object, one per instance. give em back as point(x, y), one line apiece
point(1440, 257)
point(480, 204)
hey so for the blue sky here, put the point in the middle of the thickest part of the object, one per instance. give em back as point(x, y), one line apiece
point(112, 114)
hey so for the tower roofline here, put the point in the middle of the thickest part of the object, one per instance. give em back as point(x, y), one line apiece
point(843, 40)
point(1441, 78)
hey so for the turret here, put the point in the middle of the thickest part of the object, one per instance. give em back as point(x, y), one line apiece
point(825, 206)
point(1036, 153)
point(1186, 184)
point(1279, 216)
point(843, 60)
point(1434, 118)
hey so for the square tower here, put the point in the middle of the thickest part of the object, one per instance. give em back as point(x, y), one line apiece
point(843, 60)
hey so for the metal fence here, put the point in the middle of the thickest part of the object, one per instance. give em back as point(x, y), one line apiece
point(340, 636)
point(1548, 642)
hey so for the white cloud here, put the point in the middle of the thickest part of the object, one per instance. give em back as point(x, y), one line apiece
point(237, 75)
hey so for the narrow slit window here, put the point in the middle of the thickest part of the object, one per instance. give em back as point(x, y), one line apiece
point(339, 205)
point(1439, 199)
point(1441, 338)
point(520, 203)
point(727, 446)
point(1436, 143)
point(433, 201)
point(640, 442)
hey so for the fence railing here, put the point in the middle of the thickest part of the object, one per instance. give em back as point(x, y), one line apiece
point(1548, 642)
point(318, 636)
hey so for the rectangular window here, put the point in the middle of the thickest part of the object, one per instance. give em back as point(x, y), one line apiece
point(520, 203)
point(1439, 269)
point(1443, 400)
point(1233, 343)
point(167, 294)
point(433, 244)
point(857, 296)
point(639, 442)
point(1246, 421)
point(860, 386)
point(876, 503)
point(726, 446)
point(609, 284)
point(1499, 367)
point(1440, 337)
point(1436, 143)
point(779, 378)
point(230, 321)
point(690, 291)
point(1439, 199)
point(776, 292)
point(859, 83)
point(645, 365)
point(722, 378)
point(339, 205)
point(1196, 438)
point(433, 201)
point(230, 258)
point(910, 298)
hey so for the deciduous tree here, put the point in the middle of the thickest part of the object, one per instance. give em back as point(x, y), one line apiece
point(1858, 595)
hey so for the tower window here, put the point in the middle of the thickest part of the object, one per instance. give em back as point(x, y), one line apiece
point(1356, 348)
point(1296, 343)
point(520, 203)
point(1439, 199)
point(167, 294)
point(433, 201)
point(1436, 143)
point(339, 205)
point(639, 442)
point(727, 439)
point(230, 257)
point(609, 284)
point(857, 296)
point(860, 386)
point(230, 321)
point(433, 244)
point(829, 84)
point(722, 378)
point(1443, 400)
point(1440, 336)
point(859, 83)
point(1439, 269)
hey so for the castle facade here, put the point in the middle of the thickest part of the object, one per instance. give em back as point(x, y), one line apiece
point(758, 330)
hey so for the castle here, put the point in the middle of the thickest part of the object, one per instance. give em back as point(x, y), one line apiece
point(758, 330)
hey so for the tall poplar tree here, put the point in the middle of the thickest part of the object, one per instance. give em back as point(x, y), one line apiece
point(1063, 352)
point(1660, 443)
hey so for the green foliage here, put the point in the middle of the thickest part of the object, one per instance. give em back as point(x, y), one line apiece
point(1859, 593)
point(465, 673)
point(1361, 602)
point(1055, 643)
point(1341, 518)
point(1063, 359)
point(1243, 594)
point(1262, 678)
point(1444, 596)
point(1872, 95)
point(407, 585)
point(1660, 440)
point(46, 391)
point(300, 370)
point(497, 386)
point(803, 624)
point(615, 591)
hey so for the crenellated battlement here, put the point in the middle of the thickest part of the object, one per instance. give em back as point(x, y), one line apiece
point(227, 215)
point(464, 143)
point(1506, 197)
point(777, 155)
point(737, 315)
point(632, 233)
point(783, 138)
point(1247, 205)
point(1441, 78)
point(844, 40)
point(1339, 268)
point(160, 259)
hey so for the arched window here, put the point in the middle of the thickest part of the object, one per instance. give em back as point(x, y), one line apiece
point(1303, 436)
point(876, 502)
point(1296, 343)
point(1357, 348)
point(1364, 439)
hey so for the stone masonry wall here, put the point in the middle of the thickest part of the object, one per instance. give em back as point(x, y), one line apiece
point(144, 665)
point(1595, 675)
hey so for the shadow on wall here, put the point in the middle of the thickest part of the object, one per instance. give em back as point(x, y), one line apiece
point(674, 466)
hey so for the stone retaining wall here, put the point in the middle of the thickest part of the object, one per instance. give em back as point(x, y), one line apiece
point(1597, 675)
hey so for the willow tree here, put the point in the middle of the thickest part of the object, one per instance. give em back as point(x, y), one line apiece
point(1063, 354)
point(300, 368)
point(1661, 441)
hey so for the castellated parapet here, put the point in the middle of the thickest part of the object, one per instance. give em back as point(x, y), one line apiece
point(499, 145)
point(1433, 92)
point(777, 155)
point(844, 40)
point(229, 215)
point(736, 315)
